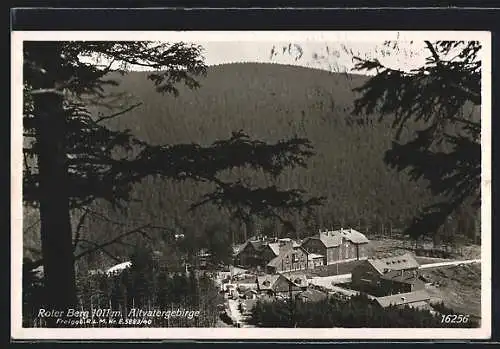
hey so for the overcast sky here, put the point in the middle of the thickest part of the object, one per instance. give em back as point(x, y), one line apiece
point(329, 50)
point(332, 56)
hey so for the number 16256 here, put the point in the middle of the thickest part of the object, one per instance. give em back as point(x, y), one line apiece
point(454, 319)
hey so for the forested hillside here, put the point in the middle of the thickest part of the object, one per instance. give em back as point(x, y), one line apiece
point(268, 102)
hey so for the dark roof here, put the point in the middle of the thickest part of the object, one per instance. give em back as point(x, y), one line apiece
point(312, 295)
point(327, 240)
point(275, 247)
point(257, 245)
point(297, 279)
point(241, 248)
point(266, 282)
point(275, 262)
point(403, 262)
point(260, 245)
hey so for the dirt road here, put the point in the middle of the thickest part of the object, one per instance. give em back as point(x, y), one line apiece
point(449, 264)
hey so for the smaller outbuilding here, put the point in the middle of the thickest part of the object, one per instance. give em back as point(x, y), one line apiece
point(417, 299)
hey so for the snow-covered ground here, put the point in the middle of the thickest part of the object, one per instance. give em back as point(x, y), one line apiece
point(118, 268)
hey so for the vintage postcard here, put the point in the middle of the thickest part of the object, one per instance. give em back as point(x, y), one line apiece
point(251, 185)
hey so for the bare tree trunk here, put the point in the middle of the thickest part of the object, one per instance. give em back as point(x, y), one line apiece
point(56, 234)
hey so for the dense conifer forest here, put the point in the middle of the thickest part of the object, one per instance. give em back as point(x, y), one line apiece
point(359, 311)
point(268, 102)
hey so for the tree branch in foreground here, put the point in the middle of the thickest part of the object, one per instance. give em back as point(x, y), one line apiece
point(114, 240)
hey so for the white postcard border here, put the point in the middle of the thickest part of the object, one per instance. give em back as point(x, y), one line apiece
point(19, 333)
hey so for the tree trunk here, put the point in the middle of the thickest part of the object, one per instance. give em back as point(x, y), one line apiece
point(56, 233)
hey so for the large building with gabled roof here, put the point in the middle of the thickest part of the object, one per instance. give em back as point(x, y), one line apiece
point(324, 248)
point(389, 275)
point(288, 259)
point(338, 245)
point(260, 252)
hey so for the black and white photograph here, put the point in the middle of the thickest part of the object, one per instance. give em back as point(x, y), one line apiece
point(286, 184)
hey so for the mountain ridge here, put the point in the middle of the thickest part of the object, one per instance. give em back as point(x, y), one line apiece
point(271, 102)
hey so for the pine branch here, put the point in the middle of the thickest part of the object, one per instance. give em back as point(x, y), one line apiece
point(118, 223)
point(107, 117)
point(114, 240)
point(95, 244)
point(434, 54)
